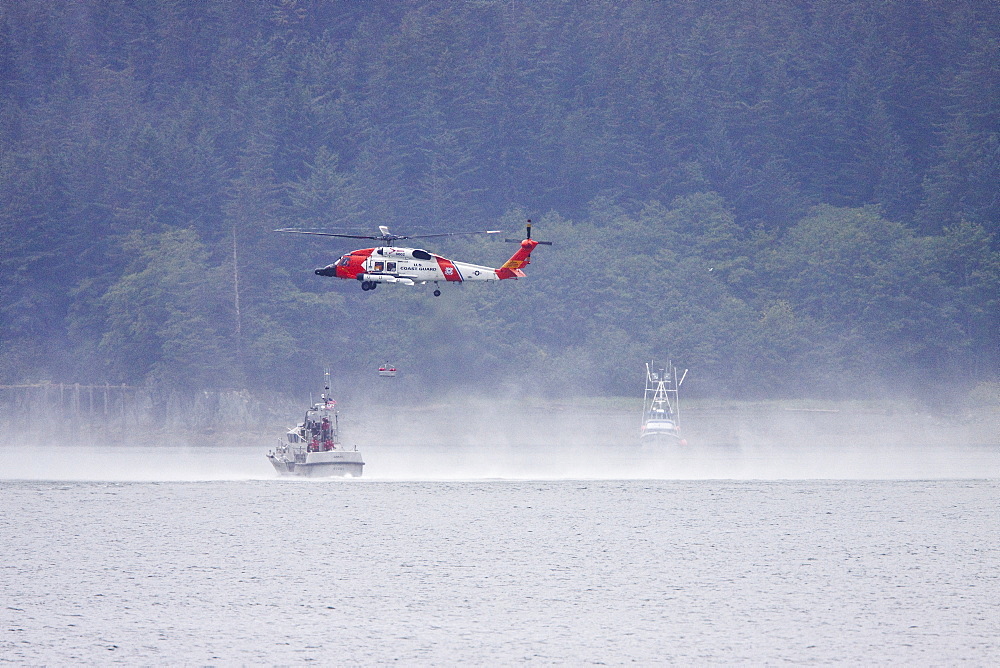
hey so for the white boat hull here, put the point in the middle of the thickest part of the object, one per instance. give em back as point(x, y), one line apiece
point(333, 463)
point(660, 439)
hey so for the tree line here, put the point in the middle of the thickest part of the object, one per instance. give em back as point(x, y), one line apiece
point(788, 197)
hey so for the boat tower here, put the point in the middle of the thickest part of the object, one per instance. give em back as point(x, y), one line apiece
point(661, 402)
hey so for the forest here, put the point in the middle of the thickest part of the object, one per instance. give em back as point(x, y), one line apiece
point(791, 198)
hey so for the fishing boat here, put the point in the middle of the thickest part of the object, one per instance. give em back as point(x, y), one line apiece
point(661, 406)
point(312, 448)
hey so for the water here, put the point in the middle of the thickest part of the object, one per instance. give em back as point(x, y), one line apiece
point(203, 557)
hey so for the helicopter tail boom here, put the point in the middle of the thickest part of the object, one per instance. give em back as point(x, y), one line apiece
point(522, 258)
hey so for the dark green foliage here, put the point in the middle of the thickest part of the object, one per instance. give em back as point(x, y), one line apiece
point(793, 197)
point(167, 316)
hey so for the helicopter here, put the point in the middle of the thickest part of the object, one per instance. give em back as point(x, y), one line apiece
point(410, 266)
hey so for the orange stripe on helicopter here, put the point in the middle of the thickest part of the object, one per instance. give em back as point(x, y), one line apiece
point(449, 270)
point(356, 265)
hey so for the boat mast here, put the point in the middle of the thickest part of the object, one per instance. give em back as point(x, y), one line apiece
point(326, 399)
point(677, 391)
point(662, 391)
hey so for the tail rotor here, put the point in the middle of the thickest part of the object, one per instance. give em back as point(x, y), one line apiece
point(527, 237)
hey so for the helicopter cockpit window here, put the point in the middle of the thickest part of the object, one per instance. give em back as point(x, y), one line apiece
point(344, 261)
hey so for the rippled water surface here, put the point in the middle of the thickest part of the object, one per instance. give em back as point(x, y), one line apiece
point(240, 567)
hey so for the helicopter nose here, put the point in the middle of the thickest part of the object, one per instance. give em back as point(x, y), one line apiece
point(329, 270)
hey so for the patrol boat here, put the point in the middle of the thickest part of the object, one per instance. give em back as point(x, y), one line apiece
point(313, 448)
point(661, 406)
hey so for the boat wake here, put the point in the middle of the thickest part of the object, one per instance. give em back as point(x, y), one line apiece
point(489, 461)
point(133, 464)
point(632, 463)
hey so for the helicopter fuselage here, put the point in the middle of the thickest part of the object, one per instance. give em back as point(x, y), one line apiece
point(409, 266)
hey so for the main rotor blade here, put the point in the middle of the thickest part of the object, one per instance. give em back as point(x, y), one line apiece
point(329, 234)
point(444, 234)
point(384, 237)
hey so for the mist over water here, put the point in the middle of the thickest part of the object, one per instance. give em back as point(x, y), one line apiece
point(490, 462)
point(475, 438)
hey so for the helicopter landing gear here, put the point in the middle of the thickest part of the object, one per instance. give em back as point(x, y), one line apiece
point(368, 285)
point(437, 293)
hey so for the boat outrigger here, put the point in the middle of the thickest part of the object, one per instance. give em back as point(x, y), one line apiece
point(661, 405)
point(313, 446)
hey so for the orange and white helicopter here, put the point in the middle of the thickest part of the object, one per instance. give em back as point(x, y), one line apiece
point(409, 266)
